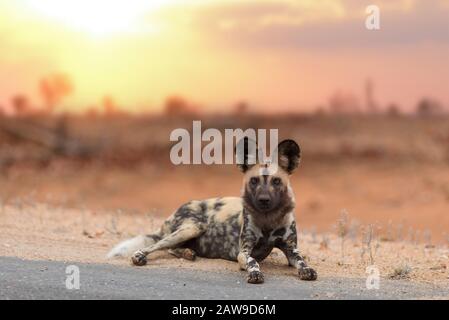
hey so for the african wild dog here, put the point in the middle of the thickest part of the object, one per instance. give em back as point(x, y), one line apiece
point(244, 229)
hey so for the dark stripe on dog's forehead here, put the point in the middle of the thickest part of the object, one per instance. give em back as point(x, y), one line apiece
point(218, 204)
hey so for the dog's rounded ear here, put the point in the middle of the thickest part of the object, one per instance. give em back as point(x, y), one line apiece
point(246, 153)
point(289, 155)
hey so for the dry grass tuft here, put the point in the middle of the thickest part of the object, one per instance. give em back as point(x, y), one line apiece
point(47, 232)
point(389, 235)
point(342, 231)
point(400, 273)
point(370, 244)
point(324, 244)
point(2, 206)
point(446, 238)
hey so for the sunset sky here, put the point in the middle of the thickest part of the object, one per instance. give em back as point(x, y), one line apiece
point(285, 54)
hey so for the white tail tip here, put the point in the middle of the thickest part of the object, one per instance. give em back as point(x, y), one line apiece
point(127, 247)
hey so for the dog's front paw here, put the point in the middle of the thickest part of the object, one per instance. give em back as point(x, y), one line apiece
point(255, 277)
point(307, 274)
point(189, 254)
point(139, 259)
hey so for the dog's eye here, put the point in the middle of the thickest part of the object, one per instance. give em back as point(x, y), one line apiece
point(276, 181)
point(254, 181)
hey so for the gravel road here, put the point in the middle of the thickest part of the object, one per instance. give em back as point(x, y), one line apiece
point(22, 279)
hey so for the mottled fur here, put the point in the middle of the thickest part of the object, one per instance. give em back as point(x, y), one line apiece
point(243, 229)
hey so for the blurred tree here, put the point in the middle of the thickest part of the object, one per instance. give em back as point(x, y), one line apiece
point(241, 108)
point(54, 88)
point(393, 110)
point(429, 107)
point(341, 102)
point(20, 104)
point(371, 105)
point(109, 105)
point(92, 112)
point(176, 106)
point(320, 111)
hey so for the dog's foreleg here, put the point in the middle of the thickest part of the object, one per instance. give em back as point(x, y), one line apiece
point(289, 246)
point(295, 259)
point(248, 240)
point(248, 263)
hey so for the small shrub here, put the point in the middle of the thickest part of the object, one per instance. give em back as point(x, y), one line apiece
point(428, 239)
point(342, 231)
point(446, 238)
point(401, 272)
point(354, 230)
point(2, 206)
point(400, 231)
point(313, 234)
point(369, 243)
point(389, 235)
point(324, 244)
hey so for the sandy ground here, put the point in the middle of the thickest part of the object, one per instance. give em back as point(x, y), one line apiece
point(41, 232)
point(410, 200)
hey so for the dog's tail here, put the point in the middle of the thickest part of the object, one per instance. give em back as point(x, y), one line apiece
point(128, 247)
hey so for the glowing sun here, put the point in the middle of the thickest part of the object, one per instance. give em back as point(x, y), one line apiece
point(98, 17)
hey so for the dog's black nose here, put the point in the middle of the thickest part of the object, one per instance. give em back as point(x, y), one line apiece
point(264, 201)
